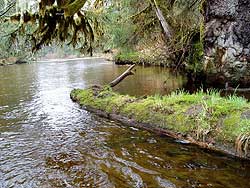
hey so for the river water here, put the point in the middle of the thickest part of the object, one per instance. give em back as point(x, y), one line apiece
point(47, 141)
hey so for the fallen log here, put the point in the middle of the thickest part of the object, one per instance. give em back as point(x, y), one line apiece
point(170, 121)
point(180, 138)
point(236, 89)
point(128, 72)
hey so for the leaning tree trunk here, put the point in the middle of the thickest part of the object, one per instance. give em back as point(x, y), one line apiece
point(164, 24)
point(227, 41)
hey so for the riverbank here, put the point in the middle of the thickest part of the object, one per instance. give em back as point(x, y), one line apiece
point(67, 59)
point(11, 61)
point(207, 79)
point(142, 59)
point(151, 51)
point(208, 120)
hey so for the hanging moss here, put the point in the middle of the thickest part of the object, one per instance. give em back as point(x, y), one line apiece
point(56, 22)
point(45, 3)
point(15, 17)
point(74, 7)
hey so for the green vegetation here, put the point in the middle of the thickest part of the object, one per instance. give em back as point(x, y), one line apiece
point(16, 41)
point(76, 23)
point(14, 46)
point(134, 57)
point(132, 29)
point(146, 37)
point(207, 117)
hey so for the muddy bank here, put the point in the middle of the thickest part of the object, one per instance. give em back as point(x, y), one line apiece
point(207, 120)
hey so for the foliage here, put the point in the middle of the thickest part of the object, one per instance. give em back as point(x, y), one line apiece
point(119, 27)
point(63, 21)
point(185, 19)
point(126, 25)
point(13, 43)
point(135, 27)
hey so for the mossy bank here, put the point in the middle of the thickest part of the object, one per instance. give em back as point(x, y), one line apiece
point(206, 119)
point(142, 59)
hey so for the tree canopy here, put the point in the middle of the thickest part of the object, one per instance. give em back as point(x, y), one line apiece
point(122, 24)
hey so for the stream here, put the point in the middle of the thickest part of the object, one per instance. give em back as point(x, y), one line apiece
point(47, 141)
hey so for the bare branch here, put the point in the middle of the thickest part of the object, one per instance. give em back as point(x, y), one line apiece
point(10, 6)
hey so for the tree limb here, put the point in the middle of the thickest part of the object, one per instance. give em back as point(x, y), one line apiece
point(11, 5)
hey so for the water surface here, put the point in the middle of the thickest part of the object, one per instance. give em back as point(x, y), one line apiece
point(47, 141)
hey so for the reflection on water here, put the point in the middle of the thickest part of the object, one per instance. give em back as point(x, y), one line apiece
point(47, 141)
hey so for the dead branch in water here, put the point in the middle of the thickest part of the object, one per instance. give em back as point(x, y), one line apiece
point(228, 88)
point(128, 72)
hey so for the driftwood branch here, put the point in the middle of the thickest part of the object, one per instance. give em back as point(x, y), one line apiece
point(128, 72)
point(237, 89)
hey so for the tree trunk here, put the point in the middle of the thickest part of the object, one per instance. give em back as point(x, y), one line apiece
point(161, 18)
point(227, 41)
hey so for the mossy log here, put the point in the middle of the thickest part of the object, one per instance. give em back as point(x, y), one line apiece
point(198, 119)
point(187, 139)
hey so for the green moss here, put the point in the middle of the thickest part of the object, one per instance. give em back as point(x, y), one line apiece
point(201, 115)
point(196, 53)
point(128, 57)
point(141, 58)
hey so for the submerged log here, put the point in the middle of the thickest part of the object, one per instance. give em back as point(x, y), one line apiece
point(128, 72)
point(237, 89)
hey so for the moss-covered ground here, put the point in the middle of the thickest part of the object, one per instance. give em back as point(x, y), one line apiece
point(140, 58)
point(207, 117)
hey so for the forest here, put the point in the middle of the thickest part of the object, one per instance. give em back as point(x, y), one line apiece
point(181, 85)
point(204, 38)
